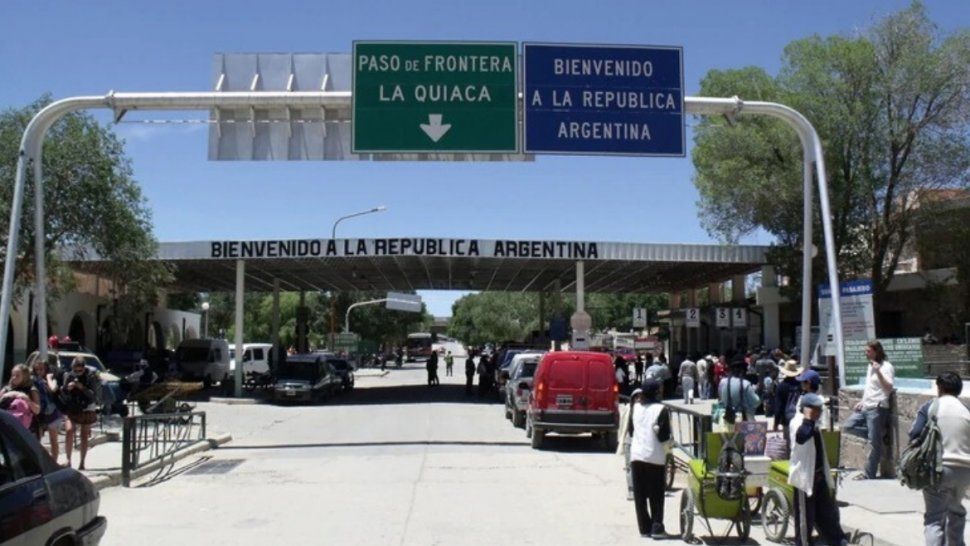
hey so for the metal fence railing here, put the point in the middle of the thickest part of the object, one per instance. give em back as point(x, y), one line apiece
point(148, 439)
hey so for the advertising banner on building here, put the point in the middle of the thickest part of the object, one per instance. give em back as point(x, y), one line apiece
point(904, 353)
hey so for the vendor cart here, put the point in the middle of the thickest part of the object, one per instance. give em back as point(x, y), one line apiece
point(164, 397)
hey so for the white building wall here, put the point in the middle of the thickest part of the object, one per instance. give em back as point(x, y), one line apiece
point(175, 325)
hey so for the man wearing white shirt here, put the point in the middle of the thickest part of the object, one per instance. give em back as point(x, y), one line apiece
point(872, 414)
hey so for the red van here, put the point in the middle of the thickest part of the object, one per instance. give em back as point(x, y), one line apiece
point(574, 392)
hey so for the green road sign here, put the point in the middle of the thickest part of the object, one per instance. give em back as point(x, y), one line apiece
point(435, 97)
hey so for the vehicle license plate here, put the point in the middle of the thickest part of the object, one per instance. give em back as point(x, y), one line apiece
point(564, 400)
point(290, 392)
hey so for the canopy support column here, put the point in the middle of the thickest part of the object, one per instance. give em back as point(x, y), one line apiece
point(240, 301)
point(581, 321)
point(275, 322)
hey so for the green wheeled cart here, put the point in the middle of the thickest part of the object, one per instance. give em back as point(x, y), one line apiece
point(701, 500)
point(778, 505)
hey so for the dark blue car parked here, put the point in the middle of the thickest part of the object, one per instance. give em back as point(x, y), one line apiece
point(40, 502)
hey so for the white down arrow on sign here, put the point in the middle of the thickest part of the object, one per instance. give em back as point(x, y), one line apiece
point(434, 129)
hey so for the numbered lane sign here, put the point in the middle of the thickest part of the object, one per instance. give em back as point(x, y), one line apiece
point(722, 317)
point(740, 318)
point(692, 317)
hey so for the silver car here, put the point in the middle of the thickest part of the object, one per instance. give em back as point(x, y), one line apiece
point(519, 385)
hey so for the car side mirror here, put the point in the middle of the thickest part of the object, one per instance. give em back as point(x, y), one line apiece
point(524, 386)
point(505, 375)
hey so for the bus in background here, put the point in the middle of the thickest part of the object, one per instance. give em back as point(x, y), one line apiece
point(419, 346)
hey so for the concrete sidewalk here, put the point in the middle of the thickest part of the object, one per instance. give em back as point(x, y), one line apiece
point(891, 512)
point(103, 461)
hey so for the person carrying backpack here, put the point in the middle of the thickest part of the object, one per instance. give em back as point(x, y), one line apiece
point(809, 474)
point(650, 427)
point(945, 517)
point(737, 395)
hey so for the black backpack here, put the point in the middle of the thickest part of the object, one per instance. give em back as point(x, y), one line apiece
point(921, 463)
point(729, 479)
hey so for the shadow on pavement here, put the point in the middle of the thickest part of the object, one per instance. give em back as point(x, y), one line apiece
point(583, 443)
point(376, 444)
point(410, 394)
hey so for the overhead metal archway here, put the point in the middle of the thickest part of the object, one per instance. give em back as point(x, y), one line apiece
point(32, 145)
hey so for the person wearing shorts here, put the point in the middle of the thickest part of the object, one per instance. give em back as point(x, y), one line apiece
point(77, 391)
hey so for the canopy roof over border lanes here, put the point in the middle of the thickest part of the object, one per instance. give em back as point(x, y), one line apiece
point(423, 263)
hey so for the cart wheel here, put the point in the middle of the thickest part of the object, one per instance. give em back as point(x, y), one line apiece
point(670, 471)
point(774, 515)
point(744, 522)
point(862, 538)
point(686, 516)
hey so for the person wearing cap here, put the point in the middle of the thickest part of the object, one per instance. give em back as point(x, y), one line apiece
point(650, 429)
point(871, 415)
point(809, 474)
point(626, 414)
point(811, 382)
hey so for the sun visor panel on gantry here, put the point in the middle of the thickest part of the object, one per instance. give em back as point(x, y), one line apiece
point(294, 134)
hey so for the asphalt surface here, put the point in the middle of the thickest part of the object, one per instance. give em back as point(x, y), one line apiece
point(393, 462)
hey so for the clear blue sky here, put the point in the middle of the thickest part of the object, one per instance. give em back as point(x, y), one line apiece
point(74, 48)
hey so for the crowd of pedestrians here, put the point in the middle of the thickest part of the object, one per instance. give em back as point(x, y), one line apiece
point(790, 398)
point(46, 403)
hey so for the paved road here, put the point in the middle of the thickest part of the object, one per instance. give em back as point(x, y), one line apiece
point(394, 462)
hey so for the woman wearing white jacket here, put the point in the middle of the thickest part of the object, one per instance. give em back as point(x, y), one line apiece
point(810, 476)
point(650, 429)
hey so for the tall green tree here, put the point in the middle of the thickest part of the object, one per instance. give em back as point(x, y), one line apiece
point(494, 316)
point(93, 205)
point(373, 323)
point(892, 108)
point(512, 316)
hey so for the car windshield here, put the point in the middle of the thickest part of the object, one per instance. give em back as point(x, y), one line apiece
point(508, 357)
point(306, 371)
point(89, 361)
point(528, 368)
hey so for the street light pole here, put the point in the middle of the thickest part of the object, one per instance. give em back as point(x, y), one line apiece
point(333, 301)
point(205, 327)
point(333, 232)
